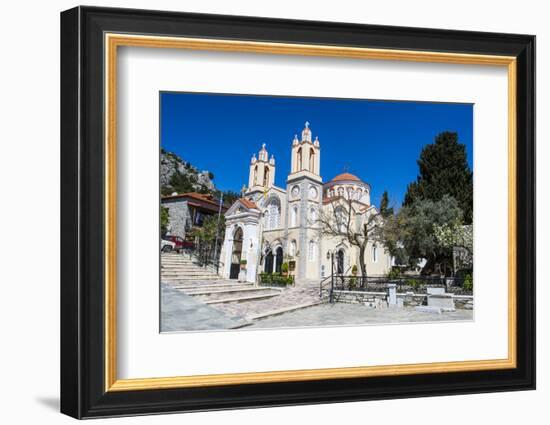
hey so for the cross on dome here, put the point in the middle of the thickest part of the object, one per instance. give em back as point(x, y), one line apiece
point(306, 133)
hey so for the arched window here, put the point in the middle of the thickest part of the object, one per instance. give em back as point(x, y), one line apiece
point(341, 219)
point(255, 180)
point(312, 215)
point(312, 251)
point(272, 215)
point(266, 176)
point(294, 216)
point(374, 254)
point(312, 160)
point(292, 248)
point(299, 160)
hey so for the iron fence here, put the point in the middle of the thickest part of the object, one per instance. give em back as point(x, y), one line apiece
point(404, 284)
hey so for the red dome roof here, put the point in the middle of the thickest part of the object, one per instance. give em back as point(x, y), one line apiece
point(346, 177)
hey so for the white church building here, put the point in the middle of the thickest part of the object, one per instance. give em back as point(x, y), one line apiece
point(270, 225)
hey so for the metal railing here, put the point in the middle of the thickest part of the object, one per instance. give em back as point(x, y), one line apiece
point(416, 284)
point(203, 259)
point(404, 284)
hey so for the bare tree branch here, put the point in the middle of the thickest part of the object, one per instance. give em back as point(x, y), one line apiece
point(357, 228)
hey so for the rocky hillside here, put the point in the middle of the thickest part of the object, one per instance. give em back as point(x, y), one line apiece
point(177, 175)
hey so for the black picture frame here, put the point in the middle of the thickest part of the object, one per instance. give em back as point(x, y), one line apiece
point(83, 392)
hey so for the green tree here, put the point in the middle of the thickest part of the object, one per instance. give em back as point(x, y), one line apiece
point(385, 209)
point(164, 220)
point(205, 236)
point(229, 197)
point(181, 183)
point(443, 170)
point(412, 233)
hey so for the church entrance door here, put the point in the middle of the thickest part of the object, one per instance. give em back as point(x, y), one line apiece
point(340, 262)
point(278, 259)
point(236, 254)
point(268, 262)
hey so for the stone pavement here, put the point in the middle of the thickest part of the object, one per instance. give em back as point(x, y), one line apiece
point(180, 312)
point(288, 297)
point(339, 314)
point(226, 304)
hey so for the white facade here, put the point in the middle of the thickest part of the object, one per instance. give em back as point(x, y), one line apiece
point(271, 225)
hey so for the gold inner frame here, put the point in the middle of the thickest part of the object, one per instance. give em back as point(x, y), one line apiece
point(113, 41)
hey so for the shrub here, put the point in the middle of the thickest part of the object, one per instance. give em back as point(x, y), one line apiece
point(354, 269)
point(468, 282)
point(394, 273)
point(413, 283)
point(352, 282)
point(243, 262)
point(284, 268)
point(276, 279)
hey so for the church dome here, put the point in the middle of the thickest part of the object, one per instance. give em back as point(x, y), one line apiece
point(347, 186)
point(346, 177)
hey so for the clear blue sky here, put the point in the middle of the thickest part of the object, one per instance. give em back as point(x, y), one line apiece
point(379, 141)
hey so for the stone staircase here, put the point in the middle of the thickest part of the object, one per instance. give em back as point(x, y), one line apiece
point(197, 298)
point(182, 268)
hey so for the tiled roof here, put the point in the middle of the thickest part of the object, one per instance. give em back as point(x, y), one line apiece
point(346, 177)
point(202, 197)
point(248, 203)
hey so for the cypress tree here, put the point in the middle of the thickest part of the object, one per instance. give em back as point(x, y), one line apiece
point(444, 170)
point(385, 209)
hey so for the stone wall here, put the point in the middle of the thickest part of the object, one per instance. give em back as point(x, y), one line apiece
point(179, 217)
point(410, 299)
point(464, 302)
point(380, 299)
point(370, 299)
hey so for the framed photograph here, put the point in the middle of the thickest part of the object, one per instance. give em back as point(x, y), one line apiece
point(261, 212)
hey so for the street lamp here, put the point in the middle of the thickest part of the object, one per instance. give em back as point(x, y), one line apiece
point(330, 254)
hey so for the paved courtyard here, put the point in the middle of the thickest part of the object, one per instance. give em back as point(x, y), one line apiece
point(183, 311)
point(339, 314)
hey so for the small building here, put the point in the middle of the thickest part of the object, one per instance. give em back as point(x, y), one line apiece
point(188, 210)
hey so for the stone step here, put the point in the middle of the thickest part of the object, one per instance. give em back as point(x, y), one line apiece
point(211, 286)
point(242, 299)
point(282, 310)
point(229, 290)
point(204, 271)
point(189, 276)
point(183, 268)
point(191, 269)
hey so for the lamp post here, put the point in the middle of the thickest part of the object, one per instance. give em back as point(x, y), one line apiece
point(330, 254)
point(217, 235)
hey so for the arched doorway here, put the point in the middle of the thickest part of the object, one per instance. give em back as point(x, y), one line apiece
point(340, 261)
point(278, 259)
point(268, 262)
point(236, 254)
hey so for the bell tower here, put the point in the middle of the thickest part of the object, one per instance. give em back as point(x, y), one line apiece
point(306, 154)
point(305, 189)
point(262, 172)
